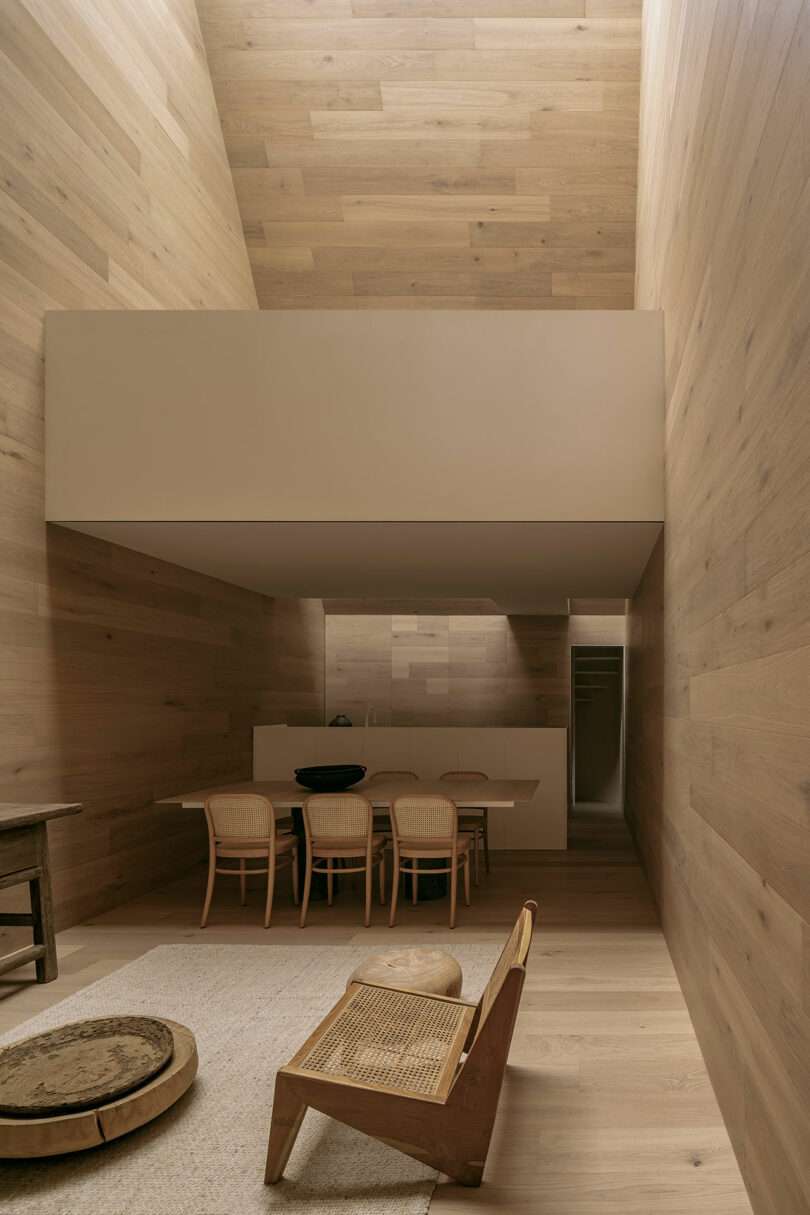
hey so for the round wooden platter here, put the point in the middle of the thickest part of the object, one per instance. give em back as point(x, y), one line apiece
point(25, 1137)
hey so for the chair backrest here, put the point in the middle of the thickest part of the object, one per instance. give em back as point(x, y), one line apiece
point(240, 816)
point(337, 816)
point(394, 774)
point(424, 817)
point(513, 954)
point(464, 774)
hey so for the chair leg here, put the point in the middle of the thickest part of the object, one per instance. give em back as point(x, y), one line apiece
point(467, 880)
point(415, 882)
point(368, 889)
point(330, 882)
point(307, 886)
point(271, 885)
point(392, 918)
point(486, 841)
point(242, 883)
point(453, 889)
point(477, 838)
point(288, 1114)
point(382, 879)
point(294, 855)
point(212, 876)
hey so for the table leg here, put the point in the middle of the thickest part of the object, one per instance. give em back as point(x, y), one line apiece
point(42, 909)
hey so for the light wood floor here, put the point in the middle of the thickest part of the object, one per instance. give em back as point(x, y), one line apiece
point(606, 1106)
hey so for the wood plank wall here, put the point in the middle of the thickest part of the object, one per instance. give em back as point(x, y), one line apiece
point(122, 678)
point(720, 666)
point(457, 670)
point(432, 153)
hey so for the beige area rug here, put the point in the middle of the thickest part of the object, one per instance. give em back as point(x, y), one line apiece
point(250, 1007)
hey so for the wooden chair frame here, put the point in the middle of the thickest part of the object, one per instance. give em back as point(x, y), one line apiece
point(371, 848)
point(450, 1129)
point(472, 819)
point(456, 851)
point(279, 850)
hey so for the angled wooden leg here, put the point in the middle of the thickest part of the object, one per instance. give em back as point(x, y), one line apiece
point(382, 879)
point(330, 882)
point(477, 857)
point(242, 883)
point(453, 889)
point(209, 891)
point(288, 1114)
point(486, 840)
point(369, 882)
point(294, 855)
point(307, 887)
point(392, 919)
point(271, 883)
point(467, 879)
point(42, 909)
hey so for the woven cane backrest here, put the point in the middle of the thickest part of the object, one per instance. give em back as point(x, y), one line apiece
point(240, 816)
point(514, 953)
point(423, 817)
point(337, 816)
point(464, 774)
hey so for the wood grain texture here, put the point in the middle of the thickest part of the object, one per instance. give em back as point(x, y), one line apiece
point(399, 131)
point(457, 670)
point(122, 676)
point(720, 693)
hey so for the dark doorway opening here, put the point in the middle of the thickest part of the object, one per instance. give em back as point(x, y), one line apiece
point(597, 725)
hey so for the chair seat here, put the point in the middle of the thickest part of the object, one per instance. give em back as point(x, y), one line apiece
point(247, 849)
point(346, 847)
point(395, 1040)
point(435, 847)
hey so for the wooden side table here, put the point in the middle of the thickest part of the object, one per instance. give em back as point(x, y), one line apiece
point(24, 858)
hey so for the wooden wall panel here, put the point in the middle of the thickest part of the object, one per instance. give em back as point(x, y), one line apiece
point(122, 678)
point(720, 656)
point(432, 153)
point(456, 670)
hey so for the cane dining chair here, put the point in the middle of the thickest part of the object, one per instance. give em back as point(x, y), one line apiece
point(339, 828)
point(426, 828)
point(242, 827)
point(473, 819)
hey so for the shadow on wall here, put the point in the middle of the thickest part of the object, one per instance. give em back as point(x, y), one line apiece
point(147, 680)
point(645, 714)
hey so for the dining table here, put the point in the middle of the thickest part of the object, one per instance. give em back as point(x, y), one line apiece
point(289, 796)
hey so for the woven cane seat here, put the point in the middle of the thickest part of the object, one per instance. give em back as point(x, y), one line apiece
point(390, 1039)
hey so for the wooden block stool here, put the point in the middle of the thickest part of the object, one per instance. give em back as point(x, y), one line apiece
point(428, 970)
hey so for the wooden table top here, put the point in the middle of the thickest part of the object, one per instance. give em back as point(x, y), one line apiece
point(25, 814)
point(287, 794)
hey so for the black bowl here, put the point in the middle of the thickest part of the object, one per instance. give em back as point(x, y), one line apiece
point(330, 778)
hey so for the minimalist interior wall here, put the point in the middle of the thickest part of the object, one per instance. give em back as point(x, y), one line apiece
point(432, 153)
point(124, 678)
point(456, 670)
point(448, 670)
point(720, 664)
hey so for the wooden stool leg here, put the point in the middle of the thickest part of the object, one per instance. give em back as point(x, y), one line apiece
point(271, 884)
point(307, 886)
point(288, 1114)
point(477, 840)
point(242, 883)
point(467, 879)
point(42, 910)
point(209, 891)
point(392, 919)
point(486, 840)
point(369, 882)
point(294, 855)
point(453, 889)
